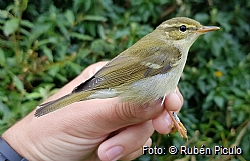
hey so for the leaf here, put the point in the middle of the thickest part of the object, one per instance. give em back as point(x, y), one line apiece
point(34, 95)
point(70, 16)
point(54, 70)
point(201, 17)
point(202, 86)
point(18, 83)
point(81, 36)
point(218, 125)
point(45, 42)
point(23, 5)
point(238, 92)
point(2, 57)
point(10, 26)
point(83, 5)
point(44, 91)
point(4, 14)
point(4, 109)
point(48, 53)
point(219, 101)
point(121, 33)
point(61, 77)
point(94, 18)
point(75, 67)
point(216, 47)
point(87, 5)
point(38, 30)
point(27, 23)
point(101, 31)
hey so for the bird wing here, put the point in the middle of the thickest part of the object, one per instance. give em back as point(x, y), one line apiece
point(128, 67)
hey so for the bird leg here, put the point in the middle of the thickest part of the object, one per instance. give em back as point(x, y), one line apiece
point(177, 125)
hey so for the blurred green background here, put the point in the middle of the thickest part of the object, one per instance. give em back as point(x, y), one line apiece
point(45, 44)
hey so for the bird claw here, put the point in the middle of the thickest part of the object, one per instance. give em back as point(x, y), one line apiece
point(177, 125)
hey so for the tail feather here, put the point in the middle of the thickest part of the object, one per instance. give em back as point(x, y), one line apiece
point(60, 103)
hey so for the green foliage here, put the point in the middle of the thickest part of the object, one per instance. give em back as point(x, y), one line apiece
point(45, 44)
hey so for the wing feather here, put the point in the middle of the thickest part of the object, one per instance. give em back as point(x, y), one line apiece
point(129, 67)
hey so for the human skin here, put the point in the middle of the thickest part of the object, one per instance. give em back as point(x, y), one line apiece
point(100, 129)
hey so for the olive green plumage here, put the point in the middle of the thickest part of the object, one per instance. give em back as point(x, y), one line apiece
point(147, 71)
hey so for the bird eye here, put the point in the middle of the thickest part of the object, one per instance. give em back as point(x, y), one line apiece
point(183, 28)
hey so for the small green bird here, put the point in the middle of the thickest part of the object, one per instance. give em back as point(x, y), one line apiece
point(147, 71)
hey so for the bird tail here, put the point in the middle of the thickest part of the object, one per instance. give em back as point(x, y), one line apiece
point(61, 102)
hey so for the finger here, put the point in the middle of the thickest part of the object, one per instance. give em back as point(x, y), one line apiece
point(138, 152)
point(163, 123)
point(174, 101)
point(126, 142)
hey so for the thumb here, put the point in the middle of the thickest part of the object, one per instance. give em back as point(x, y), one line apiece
point(102, 116)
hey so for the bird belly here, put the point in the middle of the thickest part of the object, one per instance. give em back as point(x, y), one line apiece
point(151, 88)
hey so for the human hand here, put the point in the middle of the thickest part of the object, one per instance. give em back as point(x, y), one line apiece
point(100, 129)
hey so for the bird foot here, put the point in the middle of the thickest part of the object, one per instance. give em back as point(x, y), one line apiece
point(177, 125)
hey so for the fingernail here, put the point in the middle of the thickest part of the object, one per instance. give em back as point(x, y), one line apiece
point(114, 152)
